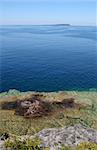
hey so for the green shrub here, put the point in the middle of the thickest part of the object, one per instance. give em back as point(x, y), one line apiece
point(28, 144)
point(86, 146)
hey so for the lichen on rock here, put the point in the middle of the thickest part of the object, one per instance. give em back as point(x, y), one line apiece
point(67, 136)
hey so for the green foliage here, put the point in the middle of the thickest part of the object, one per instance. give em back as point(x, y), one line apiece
point(28, 144)
point(82, 146)
point(86, 146)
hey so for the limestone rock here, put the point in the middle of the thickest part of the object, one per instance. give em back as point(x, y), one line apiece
point(71, 136)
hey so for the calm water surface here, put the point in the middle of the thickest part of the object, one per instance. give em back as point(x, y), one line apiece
point(48, 58)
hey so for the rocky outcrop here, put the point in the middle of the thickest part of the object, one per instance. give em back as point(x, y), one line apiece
point(71, 136)
point(39, 104)
point(32, 108)
point(36, 107)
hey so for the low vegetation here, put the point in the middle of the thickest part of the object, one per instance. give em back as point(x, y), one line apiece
point(23, 145)
point(35, 144)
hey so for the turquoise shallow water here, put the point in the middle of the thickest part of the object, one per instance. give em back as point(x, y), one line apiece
point(48, 58)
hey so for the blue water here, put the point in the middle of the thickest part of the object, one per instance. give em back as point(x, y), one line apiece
point(48, 58)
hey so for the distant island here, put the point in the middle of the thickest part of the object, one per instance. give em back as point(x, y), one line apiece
point(62, 24)
point(57, 25)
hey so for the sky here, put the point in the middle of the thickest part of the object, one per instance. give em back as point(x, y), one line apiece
point(31, 12)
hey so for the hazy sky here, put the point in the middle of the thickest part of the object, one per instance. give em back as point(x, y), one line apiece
point(75, 12)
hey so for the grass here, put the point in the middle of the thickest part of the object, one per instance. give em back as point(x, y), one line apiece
point(34, 144)
point(18, 125)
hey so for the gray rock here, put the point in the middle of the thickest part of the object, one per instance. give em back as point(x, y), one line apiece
point(67, 136)
point(1, 145)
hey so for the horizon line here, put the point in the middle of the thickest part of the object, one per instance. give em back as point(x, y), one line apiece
point(60, 24)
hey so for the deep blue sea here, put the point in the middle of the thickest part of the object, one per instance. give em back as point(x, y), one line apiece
point(48, 58)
